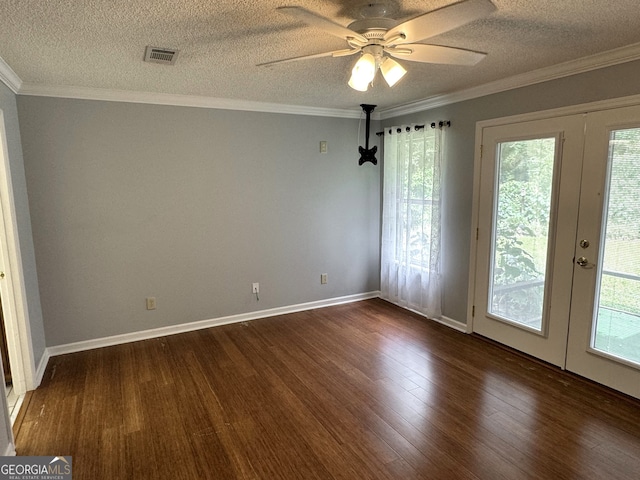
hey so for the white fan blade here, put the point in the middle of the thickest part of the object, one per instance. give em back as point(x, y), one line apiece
point(439, 21)
point(321, 22)
point(335, 53)
point(418, 52)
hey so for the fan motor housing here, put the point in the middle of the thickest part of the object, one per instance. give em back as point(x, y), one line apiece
point(373, 27)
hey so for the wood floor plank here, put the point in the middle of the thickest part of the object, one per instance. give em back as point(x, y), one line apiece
point(356, 391)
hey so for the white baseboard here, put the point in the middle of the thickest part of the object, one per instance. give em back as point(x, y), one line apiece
point(446, 321)
point(189, 327)
point(10, 451)
point(450, 322)
point(42, 366)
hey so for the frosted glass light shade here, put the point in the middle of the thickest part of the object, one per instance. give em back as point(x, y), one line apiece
point(392, 71)
point(363, 72)
point(360, 86)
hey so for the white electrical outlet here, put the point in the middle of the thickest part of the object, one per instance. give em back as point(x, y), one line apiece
point(256, 288)
point(323, 278)
point(323, 146)
point(151, 303)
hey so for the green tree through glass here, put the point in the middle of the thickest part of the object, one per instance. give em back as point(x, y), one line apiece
point(523, 204)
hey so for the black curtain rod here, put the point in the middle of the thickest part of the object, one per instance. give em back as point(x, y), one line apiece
point(440, 124)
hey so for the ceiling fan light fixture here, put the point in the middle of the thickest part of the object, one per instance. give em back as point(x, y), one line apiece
point(392, 71)
point(361, 87)
point(363, 72)
point(378, 36)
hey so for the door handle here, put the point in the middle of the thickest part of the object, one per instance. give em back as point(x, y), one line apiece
point(582, 261)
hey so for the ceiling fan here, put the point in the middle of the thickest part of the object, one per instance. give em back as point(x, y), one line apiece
point(378, 38)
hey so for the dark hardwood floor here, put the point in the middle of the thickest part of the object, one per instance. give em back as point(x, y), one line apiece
point(357, 391)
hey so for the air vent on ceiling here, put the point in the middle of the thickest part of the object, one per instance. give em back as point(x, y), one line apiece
point(165, 56)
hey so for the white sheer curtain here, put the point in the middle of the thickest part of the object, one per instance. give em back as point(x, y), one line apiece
point(410, 268)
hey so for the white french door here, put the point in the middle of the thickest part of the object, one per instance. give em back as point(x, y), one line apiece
point(529, 194)
point(558, 219)
point(604, 333)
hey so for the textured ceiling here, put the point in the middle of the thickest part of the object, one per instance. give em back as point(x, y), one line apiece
point(100, 44)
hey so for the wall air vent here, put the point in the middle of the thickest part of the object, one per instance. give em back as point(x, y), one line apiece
point(166, 56)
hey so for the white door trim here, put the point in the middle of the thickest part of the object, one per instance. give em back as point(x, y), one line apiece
point(15, 306)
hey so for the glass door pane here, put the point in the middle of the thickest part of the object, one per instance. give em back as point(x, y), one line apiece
point(521, 225)
point(617, 314)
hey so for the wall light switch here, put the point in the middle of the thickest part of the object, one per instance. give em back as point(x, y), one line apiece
point(151, 303)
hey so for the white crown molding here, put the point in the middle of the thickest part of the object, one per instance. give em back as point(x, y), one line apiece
point(88, 93)
point(9, 77)
point(617, 56)
point(610, 58)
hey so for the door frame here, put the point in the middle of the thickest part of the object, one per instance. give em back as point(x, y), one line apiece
point(15, 307)
point(501, 121)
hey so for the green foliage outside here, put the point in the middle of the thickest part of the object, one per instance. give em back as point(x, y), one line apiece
point(419, 199)
point(524, 198)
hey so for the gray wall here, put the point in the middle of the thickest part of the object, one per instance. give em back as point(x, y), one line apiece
point(21, 204)
point(613, 82)
point(191, 206)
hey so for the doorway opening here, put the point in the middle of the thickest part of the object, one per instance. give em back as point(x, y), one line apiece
point(14, 400)
point(18, 355)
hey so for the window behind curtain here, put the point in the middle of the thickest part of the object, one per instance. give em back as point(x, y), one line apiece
point(410, 273)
